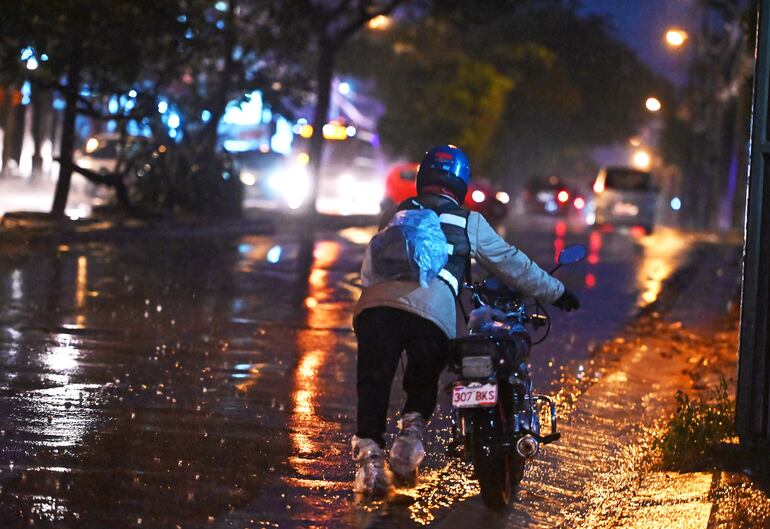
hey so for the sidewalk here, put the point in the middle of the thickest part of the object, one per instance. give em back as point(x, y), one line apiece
point(675, 344)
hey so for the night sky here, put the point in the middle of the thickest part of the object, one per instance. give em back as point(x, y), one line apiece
point(642, 24)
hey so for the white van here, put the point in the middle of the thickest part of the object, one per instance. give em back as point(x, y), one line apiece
point(625, 197)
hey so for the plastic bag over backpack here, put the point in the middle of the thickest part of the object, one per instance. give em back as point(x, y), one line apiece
point(412, 247)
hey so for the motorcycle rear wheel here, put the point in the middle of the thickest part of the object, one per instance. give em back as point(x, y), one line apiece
point(499, 469)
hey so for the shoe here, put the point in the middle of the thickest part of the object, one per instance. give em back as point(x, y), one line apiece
point(407, 451)
point(372, 478)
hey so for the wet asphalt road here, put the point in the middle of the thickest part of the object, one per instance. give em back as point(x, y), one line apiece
point(210, 382)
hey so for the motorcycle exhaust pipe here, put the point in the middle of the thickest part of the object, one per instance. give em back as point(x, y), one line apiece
point(527, 446)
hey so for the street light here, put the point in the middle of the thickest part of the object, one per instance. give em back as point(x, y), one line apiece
point(653, 104)
point(380, 22)
point(641, 159)
point(676, 37)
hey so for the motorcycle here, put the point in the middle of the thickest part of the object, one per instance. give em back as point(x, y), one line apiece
point(495, 411)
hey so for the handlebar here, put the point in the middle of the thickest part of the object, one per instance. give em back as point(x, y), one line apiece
point(519, 312)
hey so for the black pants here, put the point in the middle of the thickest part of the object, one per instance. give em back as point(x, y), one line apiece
point(383, 333)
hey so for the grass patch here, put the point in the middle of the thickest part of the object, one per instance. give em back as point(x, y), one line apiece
point(697, 429)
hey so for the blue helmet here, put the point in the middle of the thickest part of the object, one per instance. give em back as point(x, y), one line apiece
point(446, 166)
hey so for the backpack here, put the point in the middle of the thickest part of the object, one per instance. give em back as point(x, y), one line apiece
point(412, 247)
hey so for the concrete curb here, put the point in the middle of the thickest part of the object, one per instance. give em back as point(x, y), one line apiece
point(43, 230)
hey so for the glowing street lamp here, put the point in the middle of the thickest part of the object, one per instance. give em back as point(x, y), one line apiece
point(641, 159)
point(380, 22)
point(676, 37)
point(653, 104)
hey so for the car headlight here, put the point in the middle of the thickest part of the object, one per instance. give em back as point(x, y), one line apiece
point(248, 178)
point(295, 187)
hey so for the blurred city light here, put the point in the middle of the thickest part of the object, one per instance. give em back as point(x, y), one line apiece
point(32, 64)
point(174, 120)
point(380, 22)
point(676, 203)
point(274, 254)
point(132, 93)
point(26, 93)
point(283, 137)
point(91, 145)
point(563, 196)
point(676, 37)
point(248, 178)
point(297, 187)
point(653, 104)
point(248, 112)
point(642, 160)
point(236, 145)
point(579, 203)
point(303, 158)
point(333, 131)
point(162, 107)
point(478, 196)
point(306, 131)
point(344, 88)
point(503, 197)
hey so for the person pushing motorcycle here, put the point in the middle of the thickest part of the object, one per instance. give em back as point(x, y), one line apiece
point(402, 315)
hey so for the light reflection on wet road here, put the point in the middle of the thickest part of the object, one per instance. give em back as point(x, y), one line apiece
point(210, 383)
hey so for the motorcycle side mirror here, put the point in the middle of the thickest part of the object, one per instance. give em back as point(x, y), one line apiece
point(573, 253)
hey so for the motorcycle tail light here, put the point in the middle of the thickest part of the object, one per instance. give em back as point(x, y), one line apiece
point(477, 367)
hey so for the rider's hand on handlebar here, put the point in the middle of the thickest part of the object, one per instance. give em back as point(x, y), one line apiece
point(568, 301)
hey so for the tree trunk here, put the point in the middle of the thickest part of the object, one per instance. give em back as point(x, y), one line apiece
point(9, 128)
point(324, 76)
point(68, 133)
point(39, 111)
point(221, 99)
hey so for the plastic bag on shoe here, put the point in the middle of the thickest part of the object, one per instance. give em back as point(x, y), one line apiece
point(372, 478)
point(411, 247)
point(408, 450)
point(406, 454)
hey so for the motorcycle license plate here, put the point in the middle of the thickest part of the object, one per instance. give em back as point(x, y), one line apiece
point(474, 395)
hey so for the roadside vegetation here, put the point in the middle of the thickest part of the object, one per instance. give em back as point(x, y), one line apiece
point(700, 425)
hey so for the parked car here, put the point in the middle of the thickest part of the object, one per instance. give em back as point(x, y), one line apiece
point(552, 196)
point(401, 181)
point(624, 196)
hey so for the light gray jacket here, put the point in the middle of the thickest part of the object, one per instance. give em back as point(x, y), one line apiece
point(436, 301)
